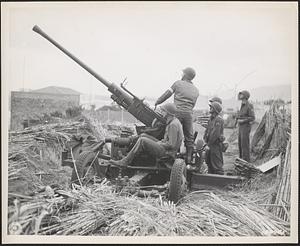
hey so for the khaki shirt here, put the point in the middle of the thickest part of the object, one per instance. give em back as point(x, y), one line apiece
point(185, 95)
point(214, 131)
point(173, 137)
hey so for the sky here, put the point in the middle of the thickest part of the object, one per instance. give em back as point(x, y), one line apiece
point(230, 45)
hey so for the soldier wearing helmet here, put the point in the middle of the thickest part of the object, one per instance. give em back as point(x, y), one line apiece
point(214, 138)
point(244, 119)
point(169, 145)
point(185, 97)
point(215, 99)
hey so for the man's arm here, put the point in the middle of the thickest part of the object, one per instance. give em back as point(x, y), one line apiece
point(170, 142)
point(166, 95)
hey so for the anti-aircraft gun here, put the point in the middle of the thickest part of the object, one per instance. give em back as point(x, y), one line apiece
point(144, 171)
point(154, 122)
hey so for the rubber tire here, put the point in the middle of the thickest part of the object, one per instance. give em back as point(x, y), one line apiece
point(82, 163)
point(177, 180)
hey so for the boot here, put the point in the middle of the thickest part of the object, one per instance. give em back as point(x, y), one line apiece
point(122, 163)
point(189, 152)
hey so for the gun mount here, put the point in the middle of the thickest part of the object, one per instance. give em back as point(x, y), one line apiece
point(121, 96)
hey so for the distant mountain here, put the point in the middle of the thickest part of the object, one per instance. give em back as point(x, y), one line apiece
point(257, 94)
point(228, 97)
point(261, 93)
point(57, 90)
point(271, 92)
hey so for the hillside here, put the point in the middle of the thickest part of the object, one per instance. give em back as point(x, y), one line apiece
point(257, 94)
point(229, 99)
point(271, 92)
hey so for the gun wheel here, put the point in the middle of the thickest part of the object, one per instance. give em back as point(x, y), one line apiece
point(178, 182)
point(87, 168)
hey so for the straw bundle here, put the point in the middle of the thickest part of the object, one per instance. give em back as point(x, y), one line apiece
point(28, 214)
point(245, 168)
point(270, 136)
point(101, 130)
point(209, 215)
point(99, 210)
point(14, 168)
point(34, 155)
point(96, 127)
point(283, 197)
point(260, 190)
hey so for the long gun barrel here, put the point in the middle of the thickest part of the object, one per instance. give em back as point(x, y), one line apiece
point(131, 103)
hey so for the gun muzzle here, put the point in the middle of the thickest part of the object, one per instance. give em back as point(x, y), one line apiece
point(37, 29)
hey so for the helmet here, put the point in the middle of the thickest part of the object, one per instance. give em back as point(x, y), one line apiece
point(216, 106)
point(189, 73)
point(216, 99)
point(170, 108)
point(245, 93)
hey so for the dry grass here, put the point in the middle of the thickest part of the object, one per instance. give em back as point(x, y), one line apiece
point(283, 196)
point(34, 156)
point(271, 135)
point(99, 210)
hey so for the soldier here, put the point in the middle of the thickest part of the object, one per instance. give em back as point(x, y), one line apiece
point(215, 99)
point(213, 137)
point(219, 100)
point(245, 117)
point(169, 145)
point(185, 97)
